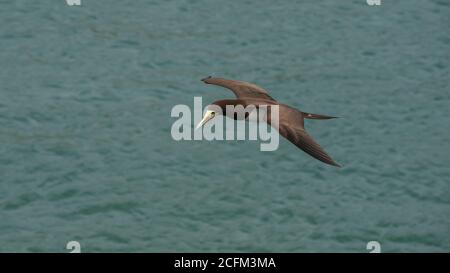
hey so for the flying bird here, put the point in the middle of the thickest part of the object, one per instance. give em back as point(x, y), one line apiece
point(291, 121)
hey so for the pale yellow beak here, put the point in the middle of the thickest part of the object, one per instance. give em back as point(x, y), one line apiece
point(208, 116)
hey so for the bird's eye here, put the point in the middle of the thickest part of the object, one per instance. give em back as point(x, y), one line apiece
point(213, 113)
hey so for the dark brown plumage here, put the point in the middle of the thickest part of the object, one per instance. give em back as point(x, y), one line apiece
point(239, 88)
point(291, 120)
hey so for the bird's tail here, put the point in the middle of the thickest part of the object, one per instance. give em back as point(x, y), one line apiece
point(316, 116)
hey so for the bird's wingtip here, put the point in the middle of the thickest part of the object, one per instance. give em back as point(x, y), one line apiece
point(336, 165)
point(205, 79)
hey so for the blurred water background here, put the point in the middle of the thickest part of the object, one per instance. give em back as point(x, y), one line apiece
point(86, 152)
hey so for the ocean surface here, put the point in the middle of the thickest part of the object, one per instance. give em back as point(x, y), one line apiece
point(86, 152)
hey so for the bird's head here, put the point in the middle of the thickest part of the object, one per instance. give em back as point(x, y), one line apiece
point(212, 111)
point(219, 108)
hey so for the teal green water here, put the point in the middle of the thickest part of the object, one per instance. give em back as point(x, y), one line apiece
point(86, 152)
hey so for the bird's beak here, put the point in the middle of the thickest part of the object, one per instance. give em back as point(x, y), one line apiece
point(208, 115)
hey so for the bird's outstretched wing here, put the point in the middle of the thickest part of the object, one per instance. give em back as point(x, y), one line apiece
point(240, 89)
point(300, 138)
point(291, 126)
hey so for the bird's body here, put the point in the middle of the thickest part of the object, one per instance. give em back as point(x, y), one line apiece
point(290, 120)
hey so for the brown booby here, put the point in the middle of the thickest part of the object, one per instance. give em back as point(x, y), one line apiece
point(291, 120)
